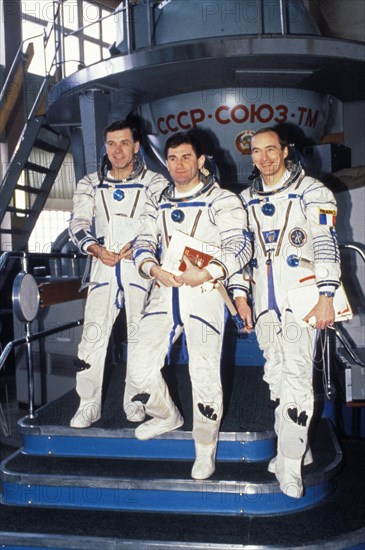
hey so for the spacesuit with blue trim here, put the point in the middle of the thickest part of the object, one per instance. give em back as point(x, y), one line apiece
point(107, 211)
point(212, 215)
point(293, 230)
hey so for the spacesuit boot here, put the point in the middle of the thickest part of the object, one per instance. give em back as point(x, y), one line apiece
point(288, 474)
point(157, 426)
point(89, 410)
point(307, 459)
point(134, 408)
point(205, 434)
point(292, 445)
point(204, 465)
point(293, 451)
point(165, 415)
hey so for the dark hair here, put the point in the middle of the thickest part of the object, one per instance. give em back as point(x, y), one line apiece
point(270, 129)
point(121, 125)
point(179, 139)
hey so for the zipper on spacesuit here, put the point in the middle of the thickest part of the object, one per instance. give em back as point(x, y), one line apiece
point(119, 298)
point(272, 304)
point(135, 204)
point(176, 318)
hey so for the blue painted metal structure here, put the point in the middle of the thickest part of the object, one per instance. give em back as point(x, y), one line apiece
point(143, 490)
point(206, 498)
point(237, 448)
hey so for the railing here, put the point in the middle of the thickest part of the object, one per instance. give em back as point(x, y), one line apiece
point(29, 338)
point(338, 329)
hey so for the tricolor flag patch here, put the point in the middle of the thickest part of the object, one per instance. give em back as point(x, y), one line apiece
point(327, 217)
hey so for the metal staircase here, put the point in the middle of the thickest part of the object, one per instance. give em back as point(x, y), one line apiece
point(38, 178)
point(40, 150)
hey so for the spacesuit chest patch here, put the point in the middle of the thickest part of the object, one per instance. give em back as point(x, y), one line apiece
point(271, 236)
point(118, 195)
point(177, 216)
point(268, 209)
point(297, 237)
point(327, 217)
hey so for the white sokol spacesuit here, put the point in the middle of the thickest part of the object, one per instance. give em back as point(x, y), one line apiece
point(107, 211)
point(216, 217)
point(293, 228)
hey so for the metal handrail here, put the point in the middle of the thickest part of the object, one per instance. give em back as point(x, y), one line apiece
point(34, 337)
point(25, 256)
point(17, 58)
point(346, 344)
point(337, 329)
point(29, 338)
point(351, 246)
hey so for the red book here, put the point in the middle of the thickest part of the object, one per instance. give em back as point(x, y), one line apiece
point(199, 253)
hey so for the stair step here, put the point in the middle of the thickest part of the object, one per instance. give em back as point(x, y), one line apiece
point(235, 488)
point(178, 445)
point(35, 134)
point(48, 140)
point(29, 189)
point(38, 168)
point(246, 430)
point(23, 211)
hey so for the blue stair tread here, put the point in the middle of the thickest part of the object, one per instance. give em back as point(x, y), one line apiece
point(323, 448)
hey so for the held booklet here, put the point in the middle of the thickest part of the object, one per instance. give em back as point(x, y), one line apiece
point(199, 253)
point(302, 299)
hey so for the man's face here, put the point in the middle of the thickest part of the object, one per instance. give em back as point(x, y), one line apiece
point(120, 148)
point(268, 156)
point(184, 166)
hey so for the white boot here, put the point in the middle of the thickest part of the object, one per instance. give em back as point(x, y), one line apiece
point(135, 411)
point(158, 426)
point(204, 465)
point(288, 474)
point(87, 413)
point(307, 459)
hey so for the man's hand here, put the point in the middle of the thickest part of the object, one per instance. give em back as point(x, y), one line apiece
point(163, 277)
point(125, 253)
point(323, 312)
point(244, 312)
point(193, 276)
point(111, 259)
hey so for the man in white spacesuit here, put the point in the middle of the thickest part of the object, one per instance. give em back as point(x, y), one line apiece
point(292, 220)
point(195, 205)
point(105, 218)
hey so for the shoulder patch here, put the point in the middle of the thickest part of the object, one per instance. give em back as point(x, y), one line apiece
point(327, 217)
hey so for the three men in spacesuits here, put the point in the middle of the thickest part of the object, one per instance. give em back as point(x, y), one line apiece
point(196, 206)
point(105, 218)
point(292, 220)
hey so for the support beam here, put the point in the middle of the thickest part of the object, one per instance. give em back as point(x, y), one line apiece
point(94, 111)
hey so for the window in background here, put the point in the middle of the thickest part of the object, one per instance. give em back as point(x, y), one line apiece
point(49, 226)
point(88, 32)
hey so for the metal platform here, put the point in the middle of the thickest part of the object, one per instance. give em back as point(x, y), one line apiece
point(106, 467)
point(305, 62)
point(236, 488)
point(246, 430)
point(94, 442)
point(77, 489)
